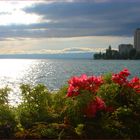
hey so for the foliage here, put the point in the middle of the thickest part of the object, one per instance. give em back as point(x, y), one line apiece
point(7, 115)
point(113, 106)
point(114, 54)
point(4, 95)
point(89, 107)
point(35, 106)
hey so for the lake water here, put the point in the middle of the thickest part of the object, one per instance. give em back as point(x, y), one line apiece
point(55, 72)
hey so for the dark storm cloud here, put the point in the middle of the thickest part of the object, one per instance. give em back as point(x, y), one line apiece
point(118, 18)
point(79, 18)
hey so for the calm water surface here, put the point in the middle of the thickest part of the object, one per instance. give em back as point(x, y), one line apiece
point(55, 72)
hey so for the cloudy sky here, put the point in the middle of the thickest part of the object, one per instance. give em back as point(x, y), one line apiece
point(55, 26)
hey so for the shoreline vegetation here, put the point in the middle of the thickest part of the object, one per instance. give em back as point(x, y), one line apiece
point(89, 107)
point(111, 54)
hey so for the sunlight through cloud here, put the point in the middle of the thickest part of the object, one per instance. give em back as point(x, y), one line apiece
point(11, 13)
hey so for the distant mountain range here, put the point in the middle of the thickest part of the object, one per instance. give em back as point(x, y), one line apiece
point(86, 55)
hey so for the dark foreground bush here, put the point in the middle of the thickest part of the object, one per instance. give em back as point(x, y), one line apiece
point(7, 115)
point(96, 107)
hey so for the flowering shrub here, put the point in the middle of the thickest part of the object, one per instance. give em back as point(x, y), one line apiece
point(90, 107)
point(94, 106)
point(91, 84)
point(83, 84)
point(135, 84)
point(121, 79)
point(116, 98)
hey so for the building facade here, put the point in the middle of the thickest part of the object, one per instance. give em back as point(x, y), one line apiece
point(137, 39)
point(125, 48)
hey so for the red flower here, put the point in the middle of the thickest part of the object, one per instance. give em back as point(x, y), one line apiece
point(121, 77)
point(134, 81)
point(83, 82)
point(91, 110)
point(72, 91)
point(137, 88)
point(100, 103)
point(135, 84)
point(94, 106)
point(124, 73)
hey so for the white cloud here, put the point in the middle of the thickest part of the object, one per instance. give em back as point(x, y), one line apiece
point(11, 13)
point(80, 50)
point(61, 45)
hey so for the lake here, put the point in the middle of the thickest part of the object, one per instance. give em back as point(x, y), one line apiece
point(54, 73)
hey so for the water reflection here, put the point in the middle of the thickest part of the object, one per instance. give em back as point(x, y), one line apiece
point(12, 74)
point(55, 73)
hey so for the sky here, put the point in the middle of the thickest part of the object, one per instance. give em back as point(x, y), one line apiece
point(62, 26)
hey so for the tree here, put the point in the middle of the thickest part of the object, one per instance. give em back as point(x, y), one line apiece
point(98, 55)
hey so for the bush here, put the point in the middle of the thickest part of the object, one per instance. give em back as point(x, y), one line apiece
point(90, 107)
point(36, 105)
point(112, 107)
point(7, 115)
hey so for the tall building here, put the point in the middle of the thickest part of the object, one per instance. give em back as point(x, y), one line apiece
point(137, 39)
point(125, 48)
